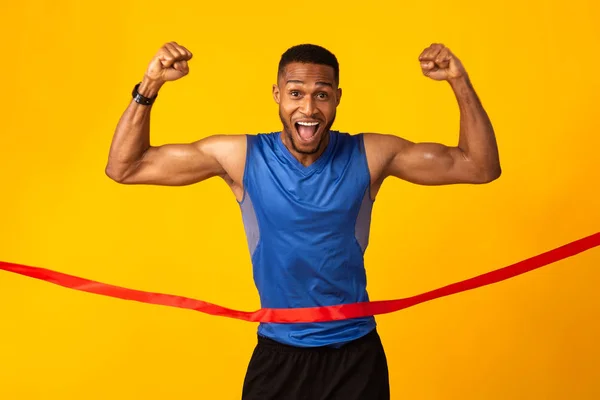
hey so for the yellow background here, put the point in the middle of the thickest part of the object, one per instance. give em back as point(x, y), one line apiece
point(67, 72)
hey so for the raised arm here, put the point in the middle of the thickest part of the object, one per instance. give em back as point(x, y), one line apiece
point(133, 160)
point(473, 160)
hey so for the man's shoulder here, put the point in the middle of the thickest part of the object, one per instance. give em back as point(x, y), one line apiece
point(236, 140)
point(345, 139)
point(346, 135)
point(262, 136)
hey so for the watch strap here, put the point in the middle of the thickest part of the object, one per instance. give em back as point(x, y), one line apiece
point(141, 99)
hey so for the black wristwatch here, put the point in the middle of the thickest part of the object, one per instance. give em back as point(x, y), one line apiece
point(138, 98)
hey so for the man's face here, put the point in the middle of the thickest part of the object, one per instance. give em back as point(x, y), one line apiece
point(308, 97)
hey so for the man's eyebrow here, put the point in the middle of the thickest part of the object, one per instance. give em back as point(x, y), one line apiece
point(319, 83)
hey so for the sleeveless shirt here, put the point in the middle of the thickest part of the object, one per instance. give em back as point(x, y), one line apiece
point(307, 229)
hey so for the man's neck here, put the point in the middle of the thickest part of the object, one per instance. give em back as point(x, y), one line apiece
point(303, 158)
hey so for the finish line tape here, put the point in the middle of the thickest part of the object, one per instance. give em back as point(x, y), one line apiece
point(312, 314)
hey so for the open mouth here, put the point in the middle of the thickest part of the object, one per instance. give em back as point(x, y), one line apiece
point(307, 129)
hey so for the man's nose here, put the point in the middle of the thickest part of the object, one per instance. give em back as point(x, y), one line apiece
point(308, 106)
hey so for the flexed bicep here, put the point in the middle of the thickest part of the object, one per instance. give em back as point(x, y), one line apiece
point(420, 163)
point(185, 164)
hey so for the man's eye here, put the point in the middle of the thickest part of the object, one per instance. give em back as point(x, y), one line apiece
point(294, 93)
point(322, 95)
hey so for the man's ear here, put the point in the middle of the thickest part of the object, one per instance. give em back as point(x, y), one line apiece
point(276, 93)
point(339, 96)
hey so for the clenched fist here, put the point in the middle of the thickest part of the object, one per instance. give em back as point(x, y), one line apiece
point(438, 63)
point(169, 64)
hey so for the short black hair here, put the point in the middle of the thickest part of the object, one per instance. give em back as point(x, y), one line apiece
point(310, 54)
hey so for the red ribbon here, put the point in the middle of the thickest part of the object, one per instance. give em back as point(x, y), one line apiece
point(312, 314)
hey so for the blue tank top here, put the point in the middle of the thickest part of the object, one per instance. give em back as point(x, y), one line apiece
point(307, 229)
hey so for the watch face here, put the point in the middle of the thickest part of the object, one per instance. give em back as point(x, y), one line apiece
point(142, 100)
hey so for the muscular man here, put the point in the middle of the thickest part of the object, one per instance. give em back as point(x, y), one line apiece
point(306, 195)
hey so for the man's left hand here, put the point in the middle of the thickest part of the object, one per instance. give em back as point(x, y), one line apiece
point(438, 63)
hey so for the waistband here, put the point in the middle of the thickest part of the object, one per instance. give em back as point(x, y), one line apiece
point(369, 339)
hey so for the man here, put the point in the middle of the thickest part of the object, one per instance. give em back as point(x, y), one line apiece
point(306, 195)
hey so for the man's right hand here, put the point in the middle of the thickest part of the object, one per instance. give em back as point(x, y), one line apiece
point(169, 64)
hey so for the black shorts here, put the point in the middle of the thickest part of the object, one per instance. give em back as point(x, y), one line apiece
point(356, 371)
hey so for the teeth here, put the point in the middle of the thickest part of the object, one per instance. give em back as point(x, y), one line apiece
point(308, 123)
